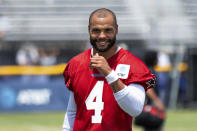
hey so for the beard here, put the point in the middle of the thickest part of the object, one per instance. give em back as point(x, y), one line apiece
point(110, 41)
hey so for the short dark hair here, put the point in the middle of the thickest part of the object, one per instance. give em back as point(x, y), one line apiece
point(103, 9)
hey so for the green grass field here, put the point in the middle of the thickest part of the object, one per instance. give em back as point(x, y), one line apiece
point(179, 120)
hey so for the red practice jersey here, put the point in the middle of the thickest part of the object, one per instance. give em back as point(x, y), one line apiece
point(97, 109)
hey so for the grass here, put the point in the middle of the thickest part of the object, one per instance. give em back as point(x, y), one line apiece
point(177, 120)
point(50, 121)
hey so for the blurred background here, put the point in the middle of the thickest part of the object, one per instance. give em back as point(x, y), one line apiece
point(38, 38)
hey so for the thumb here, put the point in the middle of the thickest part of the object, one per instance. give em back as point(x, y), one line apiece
point(97, 54)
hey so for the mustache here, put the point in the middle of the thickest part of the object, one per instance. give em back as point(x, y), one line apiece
point(100, 40)
point(110, 41)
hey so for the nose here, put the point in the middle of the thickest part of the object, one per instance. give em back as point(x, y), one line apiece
point(102, 35)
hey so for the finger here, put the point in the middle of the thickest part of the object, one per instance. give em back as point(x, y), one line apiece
point(91, 67)
point(95, 65)
point(96, 58)
point(93, 61)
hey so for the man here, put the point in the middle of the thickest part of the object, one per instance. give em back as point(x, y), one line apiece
point(107, 84)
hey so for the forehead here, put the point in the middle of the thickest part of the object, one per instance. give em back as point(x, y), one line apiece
point(99, 19)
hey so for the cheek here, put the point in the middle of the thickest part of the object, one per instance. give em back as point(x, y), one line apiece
point(93, 36)
point(112, 36)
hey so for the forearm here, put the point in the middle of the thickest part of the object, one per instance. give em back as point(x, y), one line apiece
point(131, 99)
point(153, 96)
point(117, 86)
point(114, 81)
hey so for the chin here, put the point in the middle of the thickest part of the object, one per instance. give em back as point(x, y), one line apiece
point(102, 48)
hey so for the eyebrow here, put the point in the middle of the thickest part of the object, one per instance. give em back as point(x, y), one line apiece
point(102, 28)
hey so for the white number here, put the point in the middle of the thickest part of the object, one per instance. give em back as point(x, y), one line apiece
point(97, 92)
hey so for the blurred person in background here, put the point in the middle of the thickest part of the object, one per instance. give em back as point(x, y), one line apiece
point(150, 59)
point(163, 81)
point(28, 55)
point(151, 62)
point(182, 94)
point(107, 83)
point(48, 56)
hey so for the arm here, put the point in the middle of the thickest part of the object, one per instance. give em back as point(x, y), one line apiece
point(70, 114)
point(130, 98)
point(158, 103)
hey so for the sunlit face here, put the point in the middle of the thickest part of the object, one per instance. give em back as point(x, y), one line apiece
point(102, 33)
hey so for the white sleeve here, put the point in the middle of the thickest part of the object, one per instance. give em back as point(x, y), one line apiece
point(131, 99)
point(70, 114)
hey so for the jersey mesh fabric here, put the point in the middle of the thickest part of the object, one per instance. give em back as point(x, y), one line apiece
point(80, 79)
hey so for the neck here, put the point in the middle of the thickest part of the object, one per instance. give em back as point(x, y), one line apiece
point(106, 54)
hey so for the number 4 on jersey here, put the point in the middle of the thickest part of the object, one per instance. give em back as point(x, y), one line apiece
point(97, 105)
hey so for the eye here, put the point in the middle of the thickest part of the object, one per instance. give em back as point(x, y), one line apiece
point(95, 31)
point(109, 30)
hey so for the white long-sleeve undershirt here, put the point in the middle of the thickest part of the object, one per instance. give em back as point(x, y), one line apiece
point(130, 99)
point(70, 114)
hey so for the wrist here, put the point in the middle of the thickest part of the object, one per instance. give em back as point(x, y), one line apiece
point(106, 73)
point(112, 77)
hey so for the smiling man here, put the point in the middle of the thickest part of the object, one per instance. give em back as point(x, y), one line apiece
point(107, 83)
point(103, 29)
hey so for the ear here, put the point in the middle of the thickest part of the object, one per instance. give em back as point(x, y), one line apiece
point(116, 28)
point(89, 29)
